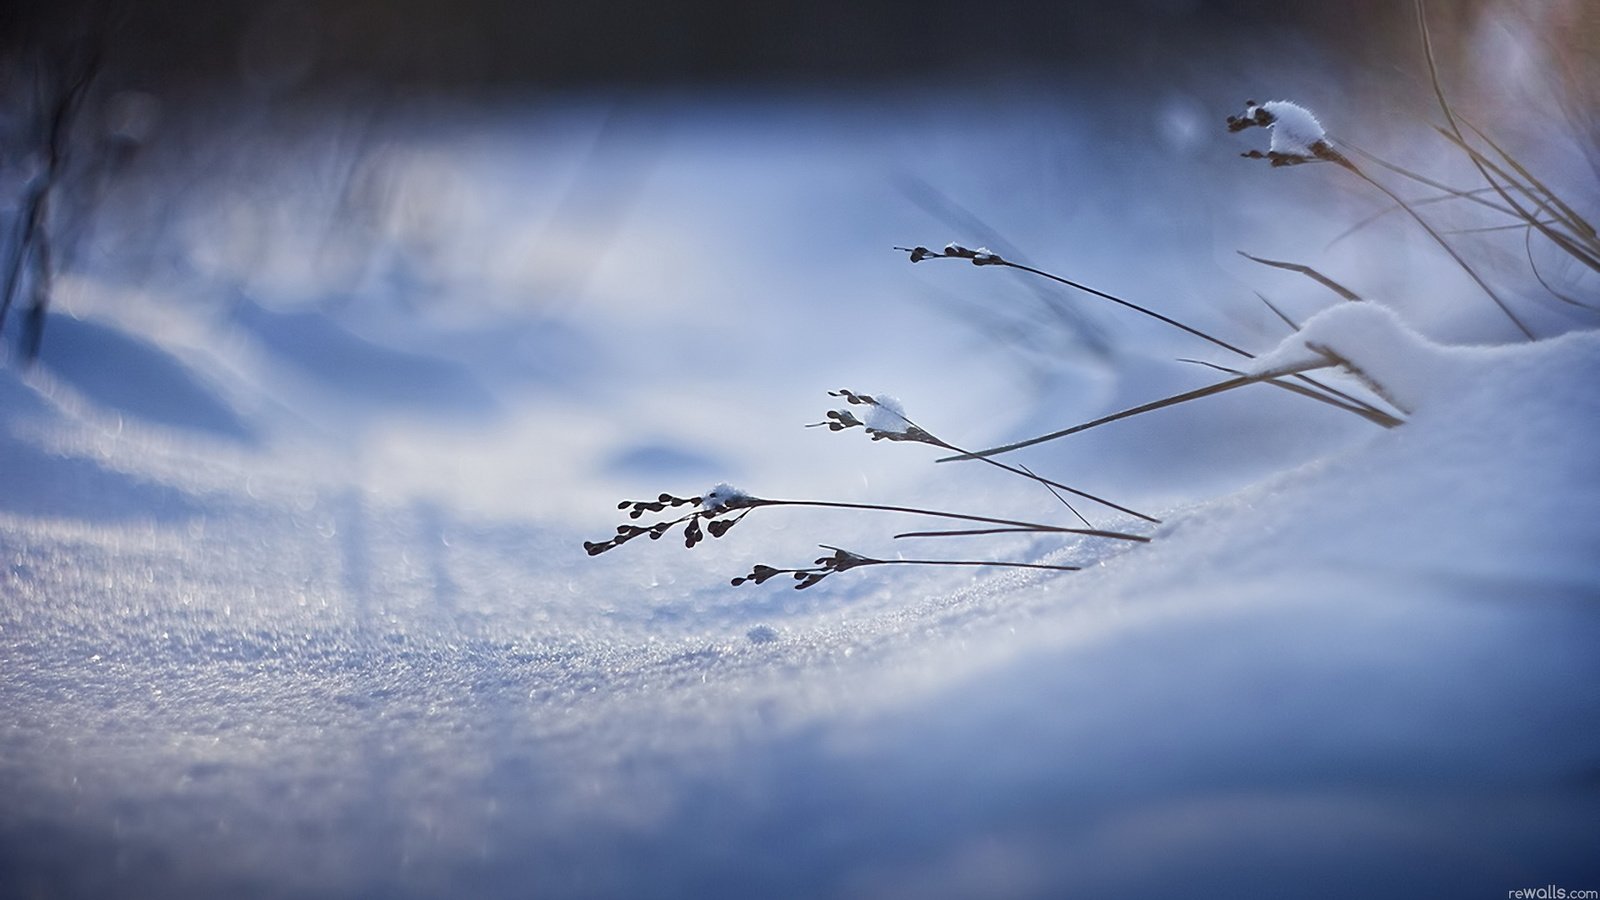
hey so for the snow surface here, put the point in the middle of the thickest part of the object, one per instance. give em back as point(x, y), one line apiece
point(294, 601)
point(1375, 672)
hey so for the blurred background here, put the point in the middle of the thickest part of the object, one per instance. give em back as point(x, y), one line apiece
point(482, 45)
point(330, 328)
point(525, 258)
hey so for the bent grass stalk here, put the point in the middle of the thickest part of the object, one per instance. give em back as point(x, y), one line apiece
point(1492, 171)
point(1308, 272)
point(843, 560)
point(1439, 239)
point(1231, 371)
point(1283, 316)
point(1318, 391)
point(1566, 215)
point(1552, 217)
point(1527, 248)
point(1450, 194)
point(723, 507)
point(1579, 242)
point(1532, 189)
point(1475, 195)
point(1297, 138)
point(963, 517)
point(840, 420)
point(1207, 391)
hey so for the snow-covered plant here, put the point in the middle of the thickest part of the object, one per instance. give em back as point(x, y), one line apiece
point(1355, 341)
point(1520, 200)
point(1297, 136)
point(717, 501)
point(723, 506)
point(1298, 384)
point(843, 560)
point(1371, 342)
point(886, 419)
point(979, 257)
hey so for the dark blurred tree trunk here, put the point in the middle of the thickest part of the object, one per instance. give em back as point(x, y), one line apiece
point(49, 75)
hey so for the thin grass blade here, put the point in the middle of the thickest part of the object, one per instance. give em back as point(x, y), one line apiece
point(1308, 272)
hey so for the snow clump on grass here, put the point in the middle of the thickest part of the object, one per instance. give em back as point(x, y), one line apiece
point(1295, 129)
point(884, 418)
point(1371, 341)
point(887, 416)
point(1297, 136)
point(723, 496)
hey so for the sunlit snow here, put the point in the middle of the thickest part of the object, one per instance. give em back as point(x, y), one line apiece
point(295, 602)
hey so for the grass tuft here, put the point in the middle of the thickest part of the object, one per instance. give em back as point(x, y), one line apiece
point(1510, 191)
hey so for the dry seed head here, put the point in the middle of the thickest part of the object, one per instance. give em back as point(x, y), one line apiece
point(887, 415)
point(722, 497)
point(1297, 136)
point(884, 419)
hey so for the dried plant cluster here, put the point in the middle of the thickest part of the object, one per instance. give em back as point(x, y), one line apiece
point(716, 511)
point(1297, 137)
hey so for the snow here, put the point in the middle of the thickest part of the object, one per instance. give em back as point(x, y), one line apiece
point(1372, 659)
point(1296, 133)
point(294, 602)
point(1373, 343)
point(721, 496)
point(1295, 130)
point(1491, 438)
point(886, 415)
